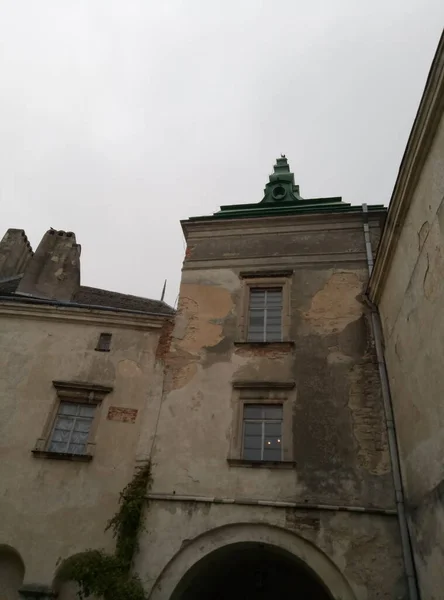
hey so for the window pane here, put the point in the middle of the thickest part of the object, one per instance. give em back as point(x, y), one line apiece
point(273, 328)
point(273, 412)
point(76, 448)
point(272, 454)
point(58, 447)
point(59, 435)
point(273, 337)
point(272, 442)
point(256, 323)
point(64, 423)
point(256, 336)
point(274, 315)
point(87, 410)
point(68, 408)
point(257, 298)
point(274, 298)
point(253, 441)
point(253, 428)
point(252, 411)
point(273, 429)
point(79, 437)
point(82, 425)
point(251, 454)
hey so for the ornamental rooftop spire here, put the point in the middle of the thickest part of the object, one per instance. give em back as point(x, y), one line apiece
point(282, 197)
point(281, 186)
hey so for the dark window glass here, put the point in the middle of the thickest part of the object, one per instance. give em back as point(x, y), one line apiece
point(262, 432)
point(104, 343)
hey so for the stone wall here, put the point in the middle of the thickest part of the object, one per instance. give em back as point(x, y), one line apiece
point(51, 509)
point(411, 308)
point(326, 372)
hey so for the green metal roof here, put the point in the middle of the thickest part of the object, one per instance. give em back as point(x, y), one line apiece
point(281, 197)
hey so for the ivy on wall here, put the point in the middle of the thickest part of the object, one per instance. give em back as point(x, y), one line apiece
point(108, 576)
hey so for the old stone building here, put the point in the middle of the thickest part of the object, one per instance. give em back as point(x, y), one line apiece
point(80, 387)
point(271, 446)
point(407, 284)
point(291, 407)
point(271, 469)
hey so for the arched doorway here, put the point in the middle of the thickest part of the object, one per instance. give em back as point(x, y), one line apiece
point(250, 570)
point(12, 570)
point(249, 559)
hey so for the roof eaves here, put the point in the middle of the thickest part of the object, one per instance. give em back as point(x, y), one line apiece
point(421, 137)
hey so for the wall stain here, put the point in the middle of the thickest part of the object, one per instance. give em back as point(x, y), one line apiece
point(336, 304)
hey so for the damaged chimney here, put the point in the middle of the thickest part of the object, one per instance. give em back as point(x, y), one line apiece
point(54, 271)
point(15, 253)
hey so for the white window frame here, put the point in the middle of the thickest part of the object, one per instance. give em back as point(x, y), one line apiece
point(268, 280)
point(74, 418)
point(75, 393)
point(265, 310)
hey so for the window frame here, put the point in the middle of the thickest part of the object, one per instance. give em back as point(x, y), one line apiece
point(262, 393)
point(77, 393)
point(265, 309)
point(266, 280)
point(74, 418)
point(104, 342)
point(263, 421)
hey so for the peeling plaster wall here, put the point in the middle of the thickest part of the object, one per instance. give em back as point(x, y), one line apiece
point(360, 546)
point(51, 509)
point(411, 309)
point(339, 438)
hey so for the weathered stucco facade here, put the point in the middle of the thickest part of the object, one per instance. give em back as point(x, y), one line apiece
point(408, 287)
point(54, 504)
point(261, 405)
point(330, 501)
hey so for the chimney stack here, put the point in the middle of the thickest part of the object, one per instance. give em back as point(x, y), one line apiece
point(15, 253)
point(54, 271)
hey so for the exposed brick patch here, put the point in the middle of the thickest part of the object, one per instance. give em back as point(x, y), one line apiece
point(368, 417)
point(124, 415)
point(163, 347)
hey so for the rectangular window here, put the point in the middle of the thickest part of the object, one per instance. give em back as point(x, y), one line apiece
point(262, 437)
point(104, 342)
point(265, 315)
point(71, 428)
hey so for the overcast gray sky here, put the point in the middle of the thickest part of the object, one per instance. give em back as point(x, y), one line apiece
point(118, 118)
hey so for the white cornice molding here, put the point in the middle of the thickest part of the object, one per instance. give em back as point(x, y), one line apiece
point(84, 316)
point(421, 137)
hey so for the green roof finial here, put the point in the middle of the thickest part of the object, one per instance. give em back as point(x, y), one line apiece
point(282, 198)
point(281, 187)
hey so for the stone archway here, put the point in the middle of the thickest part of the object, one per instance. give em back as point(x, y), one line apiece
point(12, 571)
point(249, 560)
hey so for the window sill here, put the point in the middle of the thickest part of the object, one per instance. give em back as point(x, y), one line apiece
point(62, 456)
point(272, 345)
point(36, 591)
point(261, 464)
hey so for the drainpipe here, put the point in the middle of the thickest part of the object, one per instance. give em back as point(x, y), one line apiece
point(390, 423)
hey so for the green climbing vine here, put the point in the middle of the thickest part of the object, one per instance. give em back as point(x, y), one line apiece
point(106, 575)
